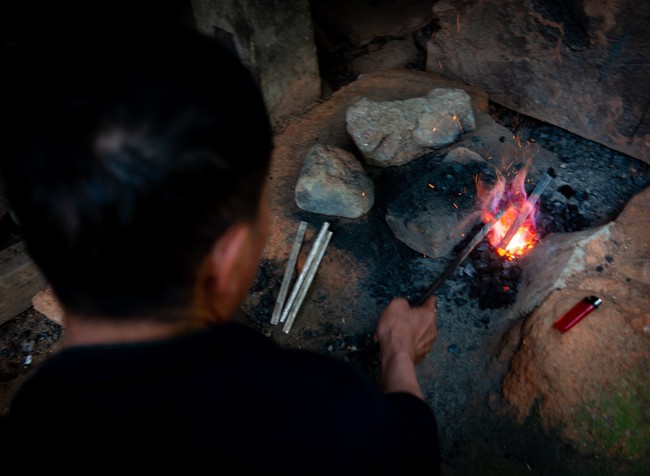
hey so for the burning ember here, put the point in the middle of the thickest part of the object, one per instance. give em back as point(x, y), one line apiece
point(515, 232)
point(523, 239)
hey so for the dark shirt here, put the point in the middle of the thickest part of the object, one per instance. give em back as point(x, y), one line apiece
point(222, 397)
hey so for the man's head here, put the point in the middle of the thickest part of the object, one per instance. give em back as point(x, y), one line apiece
point(126, 159)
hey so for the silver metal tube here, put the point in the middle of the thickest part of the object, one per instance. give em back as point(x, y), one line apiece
point(288, 273)
point(303, 274)
point(305, 286)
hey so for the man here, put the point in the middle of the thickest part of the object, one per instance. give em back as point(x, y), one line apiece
point(136, 168)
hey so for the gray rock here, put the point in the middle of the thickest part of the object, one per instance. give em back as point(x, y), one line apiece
point(462, 155)
point(332, 182)
point(393, 133)
point(584, 69)
point(438, 212)
point(276, 44)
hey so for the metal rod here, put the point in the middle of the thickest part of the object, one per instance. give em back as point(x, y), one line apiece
point(303, 274)
point(459, 259)
point(288, 273)
point(305, 286)
point(528, 207)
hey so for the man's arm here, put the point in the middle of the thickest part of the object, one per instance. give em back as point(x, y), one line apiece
point(405, 335)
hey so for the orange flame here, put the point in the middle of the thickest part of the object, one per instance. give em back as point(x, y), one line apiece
point(523, 240)
point(511, 196)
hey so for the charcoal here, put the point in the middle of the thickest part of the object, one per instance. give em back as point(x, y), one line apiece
point(582, 196)
point(567, 191)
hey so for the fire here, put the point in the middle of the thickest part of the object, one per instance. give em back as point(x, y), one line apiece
point(515, 232)
point(523, 239)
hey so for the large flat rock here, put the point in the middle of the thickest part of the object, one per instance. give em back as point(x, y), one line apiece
point(583, 66)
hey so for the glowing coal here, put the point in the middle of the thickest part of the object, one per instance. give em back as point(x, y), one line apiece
point(524, 238)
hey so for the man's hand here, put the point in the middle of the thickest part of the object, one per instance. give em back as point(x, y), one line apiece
point(405, 335)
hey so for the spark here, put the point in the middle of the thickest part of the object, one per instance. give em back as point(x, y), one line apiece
point(432, 186)
point(518, 140)
point(455, 118)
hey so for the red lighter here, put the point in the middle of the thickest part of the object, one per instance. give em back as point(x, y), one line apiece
point(577, 312)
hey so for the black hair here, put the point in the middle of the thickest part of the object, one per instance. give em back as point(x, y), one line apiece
point(125, 157)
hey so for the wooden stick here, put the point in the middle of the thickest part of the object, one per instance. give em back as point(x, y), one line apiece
point(305, 286)
point(301, 278)
point(288, 273)
point(459, 259)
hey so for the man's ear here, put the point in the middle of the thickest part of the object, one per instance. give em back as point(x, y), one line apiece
point(224, 279)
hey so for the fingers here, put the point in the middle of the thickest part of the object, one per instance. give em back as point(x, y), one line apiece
point(430, 303)
point(427, 328)
point(402, 328)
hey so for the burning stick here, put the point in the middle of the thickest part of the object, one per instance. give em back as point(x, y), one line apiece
point(459, 259)
point(529, 206)
point(303, 275)
point(288, 273)
point(305, 286)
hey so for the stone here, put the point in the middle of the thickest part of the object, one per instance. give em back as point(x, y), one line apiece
point(333, 182)
point(590, 384)
point(362, 21)
point(635, 268)
point(396, 54)
point(582, 66)
point(462, 155)
point(555, 260)
point(437, 212)
point(276, 42)
point(390, 133)
point(432, 216)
